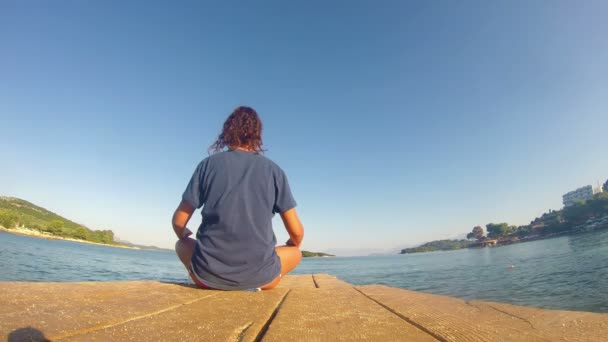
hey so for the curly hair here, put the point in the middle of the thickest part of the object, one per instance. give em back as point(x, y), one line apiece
point(243, 128)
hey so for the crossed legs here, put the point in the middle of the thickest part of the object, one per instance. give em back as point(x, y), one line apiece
point(290, 258)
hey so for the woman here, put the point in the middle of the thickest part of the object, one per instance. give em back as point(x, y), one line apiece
point(239, 190)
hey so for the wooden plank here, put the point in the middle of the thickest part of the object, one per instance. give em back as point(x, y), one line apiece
point(228, 316)
point(55, 309)
point(126, 310)
point(297, 282)
point(454, 319)
point(327, 281)
point(337, 313)
point(558, 324)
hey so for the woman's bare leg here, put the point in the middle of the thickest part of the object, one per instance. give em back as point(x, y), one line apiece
point(185, 249)
point(290, 258)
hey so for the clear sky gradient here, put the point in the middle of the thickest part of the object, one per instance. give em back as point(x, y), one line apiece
point(397, 122)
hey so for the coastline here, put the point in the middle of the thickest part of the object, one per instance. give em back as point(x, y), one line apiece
point(578, 230)
point(47, 236)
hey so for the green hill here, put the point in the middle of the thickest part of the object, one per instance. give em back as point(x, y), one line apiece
point(438, 245)
point(307, 254)
point(16, 213)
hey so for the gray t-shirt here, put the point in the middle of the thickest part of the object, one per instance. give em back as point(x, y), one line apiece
point(240, 192)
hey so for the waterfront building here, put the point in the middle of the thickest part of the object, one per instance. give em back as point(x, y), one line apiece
point(580, 194)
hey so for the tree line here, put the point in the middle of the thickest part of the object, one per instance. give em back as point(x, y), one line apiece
point(569, 219)
point(439, 245)
point(19, 213)
point(57, 227)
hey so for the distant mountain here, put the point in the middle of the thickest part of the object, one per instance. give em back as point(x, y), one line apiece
point(462, 236)
point(130, 244)
point(348, 252)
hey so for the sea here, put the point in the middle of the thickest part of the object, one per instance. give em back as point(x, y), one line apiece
point(568, 272)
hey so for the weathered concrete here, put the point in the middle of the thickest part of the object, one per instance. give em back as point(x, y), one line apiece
point(302, 308)
point(337, 313)
point(212, 318)
point(453, 319)
point(297, 282)
point(60, 309)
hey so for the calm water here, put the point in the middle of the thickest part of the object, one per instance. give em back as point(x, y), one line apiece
point(563, 273)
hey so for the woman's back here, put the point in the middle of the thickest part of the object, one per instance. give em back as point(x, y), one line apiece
point(240, 192)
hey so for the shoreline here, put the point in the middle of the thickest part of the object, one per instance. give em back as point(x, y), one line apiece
point(47, 236)
point(524, 240)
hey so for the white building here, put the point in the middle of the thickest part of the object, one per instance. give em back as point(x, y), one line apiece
point(580, 194)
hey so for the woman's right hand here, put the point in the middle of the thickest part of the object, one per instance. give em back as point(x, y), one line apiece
point(180, 219)
point(294, 227)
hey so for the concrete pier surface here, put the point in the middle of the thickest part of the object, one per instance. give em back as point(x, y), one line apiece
point(303, 308)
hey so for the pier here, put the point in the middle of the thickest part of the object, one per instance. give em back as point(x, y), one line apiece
point(316, 307)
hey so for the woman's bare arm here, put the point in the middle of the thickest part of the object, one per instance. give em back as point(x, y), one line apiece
point(180, 219)
point(294, 227)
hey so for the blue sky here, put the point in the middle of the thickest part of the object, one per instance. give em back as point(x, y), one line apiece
point(397, 122)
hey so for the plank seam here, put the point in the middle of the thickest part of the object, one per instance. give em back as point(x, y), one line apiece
point(242, 334)
point(111, 325)
point(506, 313)
point(408, 320)
point(314, 280)
point(272, 316)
